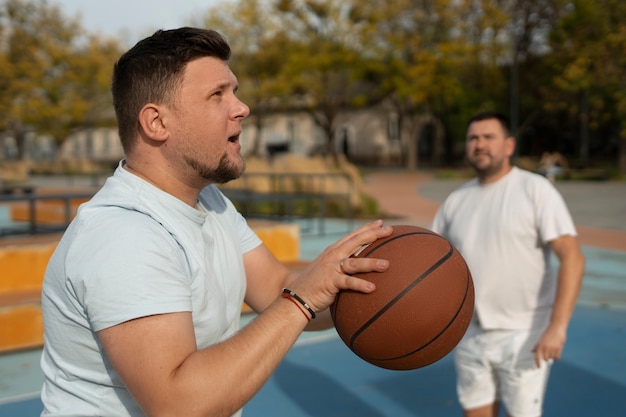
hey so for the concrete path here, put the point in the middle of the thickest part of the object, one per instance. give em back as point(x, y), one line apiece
point(598, 208)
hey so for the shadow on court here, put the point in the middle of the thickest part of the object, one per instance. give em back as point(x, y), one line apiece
point(324, 379)
point(309, 390)
point(320, 394)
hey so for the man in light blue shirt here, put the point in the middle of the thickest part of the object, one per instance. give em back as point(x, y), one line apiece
point(142, 297)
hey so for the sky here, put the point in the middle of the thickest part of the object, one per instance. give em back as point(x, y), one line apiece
point(132, 20)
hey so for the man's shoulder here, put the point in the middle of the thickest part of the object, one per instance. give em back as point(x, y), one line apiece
point(465, 188)
point(532, 182)
point(527, 175)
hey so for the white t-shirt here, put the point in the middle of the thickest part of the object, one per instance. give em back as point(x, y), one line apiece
point(133, 251)
point(502, 230)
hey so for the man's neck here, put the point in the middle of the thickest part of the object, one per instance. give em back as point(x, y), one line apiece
point(491, 177)
point(164, 181)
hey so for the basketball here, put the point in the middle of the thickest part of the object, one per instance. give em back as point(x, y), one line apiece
point(420, 309)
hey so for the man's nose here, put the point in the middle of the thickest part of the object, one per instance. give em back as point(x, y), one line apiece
point(242, 110)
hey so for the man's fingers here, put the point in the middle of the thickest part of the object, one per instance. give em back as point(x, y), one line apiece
point(351, 266)
point(363, 236)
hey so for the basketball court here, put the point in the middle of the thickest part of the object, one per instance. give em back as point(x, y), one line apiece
point(320, 377)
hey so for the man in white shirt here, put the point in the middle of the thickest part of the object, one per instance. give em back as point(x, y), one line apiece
point(505, 223)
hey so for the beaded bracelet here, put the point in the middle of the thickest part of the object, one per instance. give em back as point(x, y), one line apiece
point(292, 295)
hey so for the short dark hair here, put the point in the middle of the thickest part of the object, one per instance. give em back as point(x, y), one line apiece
point(488, 115)
point(151, 71)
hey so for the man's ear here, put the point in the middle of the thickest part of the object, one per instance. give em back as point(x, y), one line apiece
point(151, 122)
point(510, 145)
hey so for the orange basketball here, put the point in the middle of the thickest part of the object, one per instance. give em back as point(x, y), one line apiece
point(422, 305)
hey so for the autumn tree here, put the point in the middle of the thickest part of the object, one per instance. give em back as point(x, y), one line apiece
point(259, 48)
point(439, 61)
point(53, 77)
point(326, 71)
point(425, 52)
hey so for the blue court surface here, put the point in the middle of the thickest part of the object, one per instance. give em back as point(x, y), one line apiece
point(321, 377)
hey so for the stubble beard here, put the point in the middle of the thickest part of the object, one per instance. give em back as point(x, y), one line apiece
point(486, 170)
point(226, 170)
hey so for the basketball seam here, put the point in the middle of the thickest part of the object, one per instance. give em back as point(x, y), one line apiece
point(397, 237)
point(467, 288)
point(404, 291)
point(336, 302)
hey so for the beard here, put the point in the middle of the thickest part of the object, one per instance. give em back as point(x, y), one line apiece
point(226, 170)
point(486, 169)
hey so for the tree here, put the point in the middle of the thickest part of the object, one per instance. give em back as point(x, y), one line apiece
point(259, 48)
point(437, 62)
point(528, 24)
point(53, 78)
point(425, 51)
point(590, 69)
point(326, 70)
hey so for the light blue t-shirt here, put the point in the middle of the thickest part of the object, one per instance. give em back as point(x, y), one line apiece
point(133, 251)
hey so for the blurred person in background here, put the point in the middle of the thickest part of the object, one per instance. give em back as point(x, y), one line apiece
point(506, 222)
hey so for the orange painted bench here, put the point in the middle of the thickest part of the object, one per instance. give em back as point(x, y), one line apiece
point(23, 261)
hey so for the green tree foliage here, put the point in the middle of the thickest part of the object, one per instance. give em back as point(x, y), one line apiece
point(556, 65)
point(432, 60)
point(53, 77)
point(435, 61)
point(259, 48)
point(326, 69)
point(589, 63)
point(512, 37)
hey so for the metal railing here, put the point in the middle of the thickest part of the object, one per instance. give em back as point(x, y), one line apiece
point(32, 225)
point(284, 197)
point(293, 196)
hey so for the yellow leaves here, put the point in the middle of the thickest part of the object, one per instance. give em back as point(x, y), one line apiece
point(52, 76)
point(576, 75)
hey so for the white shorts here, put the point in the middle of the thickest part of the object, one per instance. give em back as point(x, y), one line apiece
point(499, 365)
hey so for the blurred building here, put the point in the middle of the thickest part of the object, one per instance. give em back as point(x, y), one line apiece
point(369, 136)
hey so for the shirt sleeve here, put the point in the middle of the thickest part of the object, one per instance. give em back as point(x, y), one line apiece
point(554, 218)
point(438, 224)
point(127, 269)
